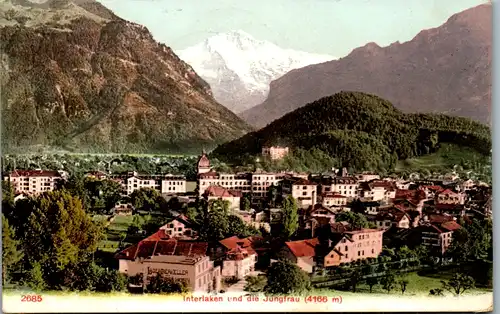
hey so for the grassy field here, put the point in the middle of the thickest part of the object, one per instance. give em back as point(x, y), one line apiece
point(446, 157)
point(419, 285)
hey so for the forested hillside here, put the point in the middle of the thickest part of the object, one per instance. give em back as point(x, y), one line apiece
point(360, 131)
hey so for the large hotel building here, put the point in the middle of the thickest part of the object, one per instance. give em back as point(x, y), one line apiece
point(178, 259)
point(257, 183)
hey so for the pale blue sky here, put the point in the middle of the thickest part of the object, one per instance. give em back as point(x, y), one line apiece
point(332, 27)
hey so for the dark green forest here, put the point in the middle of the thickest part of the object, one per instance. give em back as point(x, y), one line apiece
point(359, 131)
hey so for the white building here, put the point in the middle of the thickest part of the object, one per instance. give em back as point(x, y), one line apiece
point(346, 186)
point(240, 257)
point(177, 259)
point(165, 184)
point(302, 190)
point(33, 182)
point(275, 152)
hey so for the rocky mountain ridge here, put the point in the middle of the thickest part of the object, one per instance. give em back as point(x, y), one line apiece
point(77, 77)
point(445, 69)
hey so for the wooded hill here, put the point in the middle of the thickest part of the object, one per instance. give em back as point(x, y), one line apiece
point(362, 131)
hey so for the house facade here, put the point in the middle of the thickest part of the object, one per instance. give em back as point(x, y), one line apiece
point(32, 182)
point(350, 246)
point(345, 186)
point(180, 227)
point(219, 193)
point(333, 199)
point(240, 257)
point(275, 152)
point(302, 190)
point(302, 253)
point(177, 259)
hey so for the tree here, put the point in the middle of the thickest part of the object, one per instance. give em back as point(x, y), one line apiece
point(245, 204)
point(403, 283)
point(436, 292)
point(459, 283)
point(163, 284)
point(216, 223)
point(35, 279)
point(388, 282)
point(289, 217)
point(147, 199)
point(371, 282)
point(356, 220)
point(272, 196)
point(11, 252)
point(58, 233)
point(236, 226)
point(284, 277)
point(355, 279)
point(255, 283)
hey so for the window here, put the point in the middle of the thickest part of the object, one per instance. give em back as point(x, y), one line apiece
point(346, 256)
point(359, 253)
point(373, 251)
point(346, 248)
point(304, 193)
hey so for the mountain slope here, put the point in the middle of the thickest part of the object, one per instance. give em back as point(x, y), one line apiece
point(446, 69)
point(75, 76)
point(239, 67)
point(361, 131)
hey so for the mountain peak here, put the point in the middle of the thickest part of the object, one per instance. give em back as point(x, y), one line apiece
point(238, 66)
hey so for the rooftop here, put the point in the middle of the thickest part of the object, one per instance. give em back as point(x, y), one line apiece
point(303, 248)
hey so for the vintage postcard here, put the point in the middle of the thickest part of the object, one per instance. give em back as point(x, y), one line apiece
point(267, 155)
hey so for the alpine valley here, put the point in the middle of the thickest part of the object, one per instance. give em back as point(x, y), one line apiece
point(76, 77)
point(239, 68)
point(444, 70)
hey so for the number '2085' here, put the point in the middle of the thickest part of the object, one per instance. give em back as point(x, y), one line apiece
point(31, 298)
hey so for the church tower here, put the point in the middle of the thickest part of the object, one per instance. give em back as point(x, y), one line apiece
point(203, 163)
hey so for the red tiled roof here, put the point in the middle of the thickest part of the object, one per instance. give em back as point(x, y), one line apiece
point(235, 242)
point(219, 191)
point(435, 188)
point(149, 247)
point(303, 247)
point(203, 162)
point(311, 209)
point(450, 225)
point(447, 191)
point(34, 173)
point(435, 218)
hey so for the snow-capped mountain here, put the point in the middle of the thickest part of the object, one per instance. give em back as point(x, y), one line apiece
point(239, 68)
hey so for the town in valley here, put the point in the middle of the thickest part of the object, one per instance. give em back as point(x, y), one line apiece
point(257, 231)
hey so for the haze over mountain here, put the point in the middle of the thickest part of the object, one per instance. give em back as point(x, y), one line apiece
point(75, 76)
point(239, 67)
point(446, 69)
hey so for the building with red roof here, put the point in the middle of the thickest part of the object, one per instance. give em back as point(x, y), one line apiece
point(184, 260)
point(215, 192)
point(449, 197)
point(180, 227)
point(302, 252)
point(240, 256)
point(438, 236)
point(32, 182)
point(203, 163)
